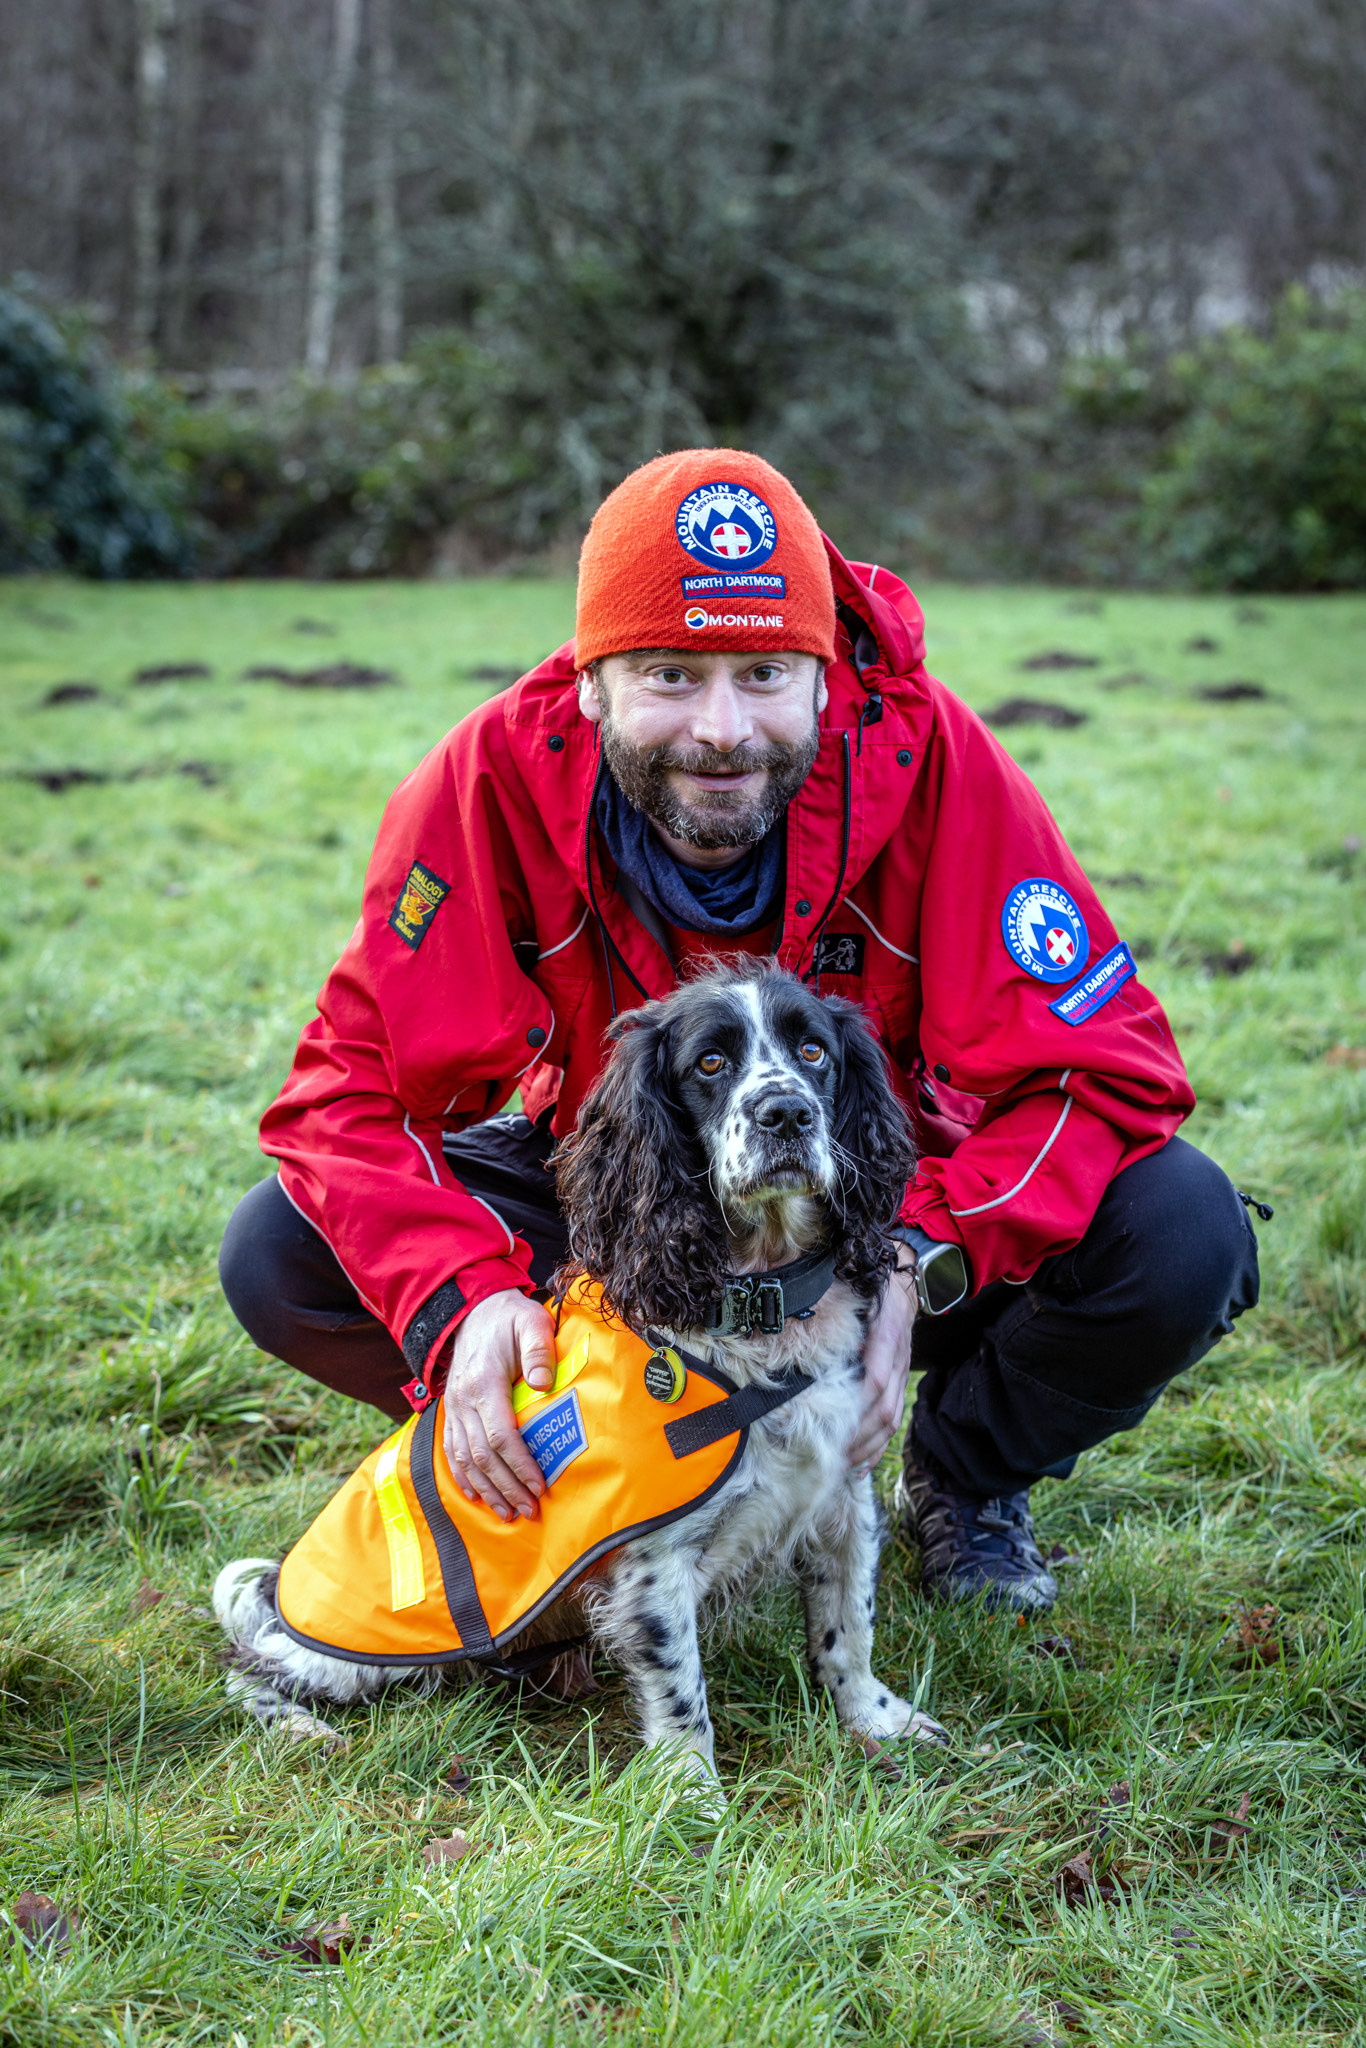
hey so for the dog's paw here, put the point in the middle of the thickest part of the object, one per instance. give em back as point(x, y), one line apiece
point(885, 1717)
point(693, 1778)
point(284, 1716)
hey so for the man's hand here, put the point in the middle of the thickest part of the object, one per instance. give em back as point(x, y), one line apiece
point(886, 1367)
point(505, 1335)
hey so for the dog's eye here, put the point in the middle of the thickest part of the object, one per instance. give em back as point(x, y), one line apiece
point(812, 1052)
point(711, 1063)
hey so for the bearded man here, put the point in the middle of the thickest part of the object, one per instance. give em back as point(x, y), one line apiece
point(742, 750)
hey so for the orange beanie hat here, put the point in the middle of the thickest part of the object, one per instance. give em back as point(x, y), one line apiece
point(709, 548)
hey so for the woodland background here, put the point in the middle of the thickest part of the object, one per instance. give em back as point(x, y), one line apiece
point(350, 287)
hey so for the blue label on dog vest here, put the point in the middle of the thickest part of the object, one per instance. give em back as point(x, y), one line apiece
point(1085, 997)
point(556, 1436)
point(1043, 929)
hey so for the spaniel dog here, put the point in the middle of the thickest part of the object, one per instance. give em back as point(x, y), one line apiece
point(731, 1186)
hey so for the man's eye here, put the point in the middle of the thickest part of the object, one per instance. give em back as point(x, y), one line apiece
point(711, 1063)
point(812, 1053)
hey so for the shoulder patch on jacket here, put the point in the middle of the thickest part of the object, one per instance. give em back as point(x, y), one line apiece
point(421, 896)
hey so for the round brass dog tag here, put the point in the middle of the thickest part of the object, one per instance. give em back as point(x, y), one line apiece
point(665, 1377)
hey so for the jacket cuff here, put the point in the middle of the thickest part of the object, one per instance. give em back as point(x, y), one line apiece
point(928, 1211)
point(452, 1302)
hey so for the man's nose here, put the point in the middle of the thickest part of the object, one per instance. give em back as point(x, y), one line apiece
point(784, 1115)
point(721, 717)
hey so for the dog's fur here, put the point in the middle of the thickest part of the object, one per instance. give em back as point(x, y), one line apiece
point(675, 1178)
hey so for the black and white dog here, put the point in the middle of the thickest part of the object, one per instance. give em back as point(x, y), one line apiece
point(742, 1126)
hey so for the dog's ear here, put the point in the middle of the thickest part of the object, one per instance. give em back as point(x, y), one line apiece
point(633, 1185)
point(873, 1133)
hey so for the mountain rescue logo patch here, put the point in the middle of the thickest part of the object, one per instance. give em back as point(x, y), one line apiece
point(1044, 931)
point(421, 896)
point(726, 526)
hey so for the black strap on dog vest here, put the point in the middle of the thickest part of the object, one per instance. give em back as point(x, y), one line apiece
point(457, 1573)
point(723, 1418)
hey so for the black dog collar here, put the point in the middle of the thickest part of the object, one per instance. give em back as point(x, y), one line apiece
point(753, 1304)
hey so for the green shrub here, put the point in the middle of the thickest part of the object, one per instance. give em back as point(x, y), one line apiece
point(1263, 484)
point(452, 452)
point(77, 490)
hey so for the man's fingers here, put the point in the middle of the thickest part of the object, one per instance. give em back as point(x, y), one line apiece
point(536, 1347)
point(505, 1462)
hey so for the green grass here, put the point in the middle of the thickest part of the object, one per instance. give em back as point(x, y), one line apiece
point(162, 938)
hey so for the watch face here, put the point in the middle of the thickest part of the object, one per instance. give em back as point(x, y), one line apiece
point(943, 1279)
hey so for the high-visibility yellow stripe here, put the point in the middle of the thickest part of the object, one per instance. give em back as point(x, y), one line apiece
point(407, 1580)
point(568, 1368)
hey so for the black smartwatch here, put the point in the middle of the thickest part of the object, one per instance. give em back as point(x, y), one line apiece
point(941, 1272)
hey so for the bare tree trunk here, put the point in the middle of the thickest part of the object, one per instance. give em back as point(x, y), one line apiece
point(184, 177)
point(154, 19)
point(329, 168)
point(388, 252)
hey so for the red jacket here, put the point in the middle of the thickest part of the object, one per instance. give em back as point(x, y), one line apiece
point(480, 970)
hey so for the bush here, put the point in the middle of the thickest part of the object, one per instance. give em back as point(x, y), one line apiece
point(77, 491)
point(1263, 486)
point(452, 456)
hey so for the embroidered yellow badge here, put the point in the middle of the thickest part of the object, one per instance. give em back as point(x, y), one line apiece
point(421, 896)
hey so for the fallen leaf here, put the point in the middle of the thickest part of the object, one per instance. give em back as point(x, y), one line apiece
point(447, 1849)
point(1258, 1640)
point(43, 1925)
point(1230, 1831)
point(456, 1776)
point(1079, 1883)
point(1056, 1646)
point(328, 1942)
point(1059, 1555)
point(1353, 1056)
point(882, 1759)
point(146, 1597)
point(1183, 1937)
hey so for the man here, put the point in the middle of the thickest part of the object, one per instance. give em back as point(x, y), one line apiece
point(742, 749)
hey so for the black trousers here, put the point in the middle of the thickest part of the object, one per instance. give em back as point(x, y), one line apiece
point(1016, 1383)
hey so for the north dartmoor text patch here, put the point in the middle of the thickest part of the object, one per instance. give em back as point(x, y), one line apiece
point(421, 896)
point(1086, 996)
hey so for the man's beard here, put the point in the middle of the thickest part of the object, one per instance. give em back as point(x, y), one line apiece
point(714, 818)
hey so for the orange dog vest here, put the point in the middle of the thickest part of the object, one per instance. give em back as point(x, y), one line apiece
point(399, 1568)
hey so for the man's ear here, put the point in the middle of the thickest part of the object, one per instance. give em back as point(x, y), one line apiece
point(590, 702)
point(822, 692)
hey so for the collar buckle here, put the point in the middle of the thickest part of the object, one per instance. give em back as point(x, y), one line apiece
point(749, 1305)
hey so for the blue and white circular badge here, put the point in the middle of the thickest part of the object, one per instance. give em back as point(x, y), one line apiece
point(1044, 931)
point(725, 526)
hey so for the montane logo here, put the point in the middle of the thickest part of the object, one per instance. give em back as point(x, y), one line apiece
point(697, 616)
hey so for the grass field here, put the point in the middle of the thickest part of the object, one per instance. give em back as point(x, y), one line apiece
point(163, 932)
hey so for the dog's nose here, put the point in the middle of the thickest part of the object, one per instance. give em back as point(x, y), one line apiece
point(784, 1115)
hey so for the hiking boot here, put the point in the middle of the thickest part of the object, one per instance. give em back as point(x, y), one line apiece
point(971, 1547)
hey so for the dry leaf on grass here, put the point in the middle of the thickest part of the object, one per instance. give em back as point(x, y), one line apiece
point(451, 1848)
point(456, 1776)
point(1227, 1832)
point(1056, 1646)
point(1079, 1883)
point(882, 1759)
point(1351, 1056)
point(146, 1597)
point(42, 1925)
point(1258, 1640)
point(328, 1942)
